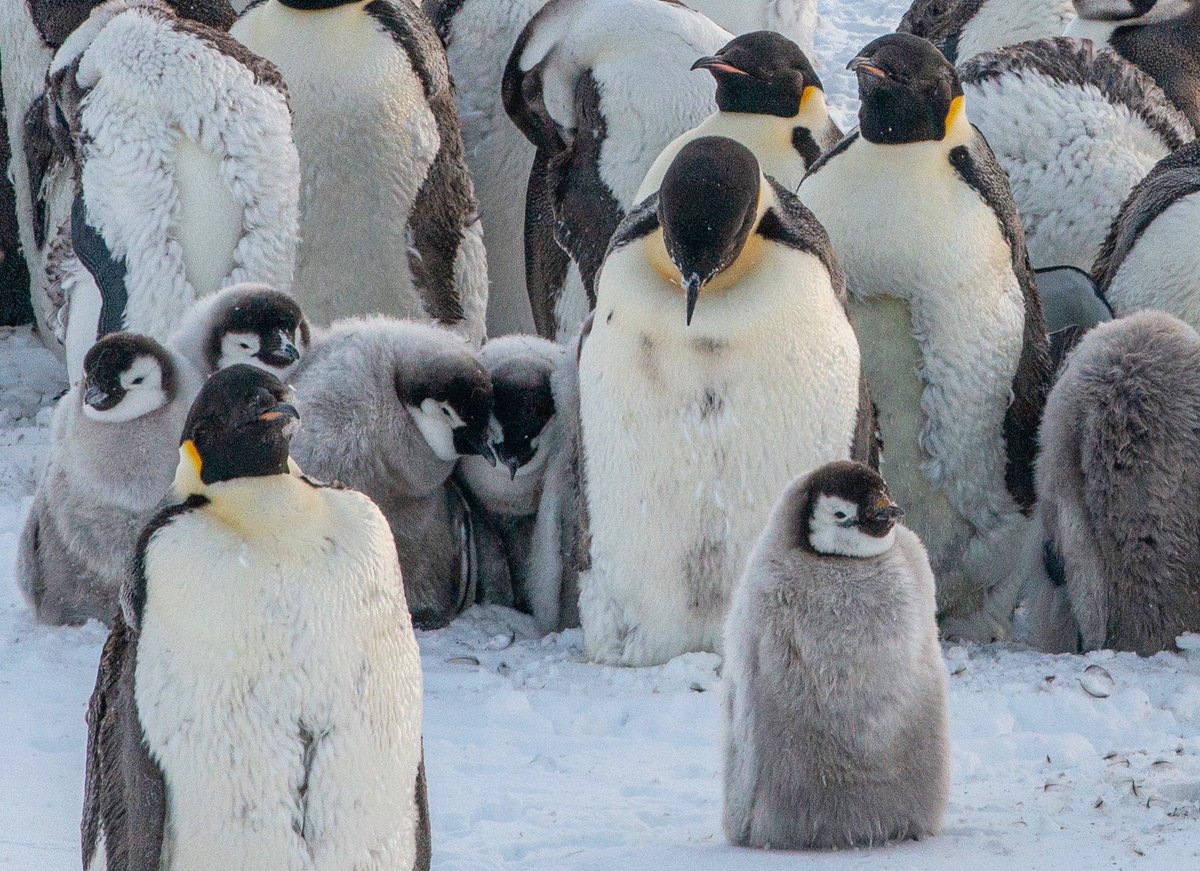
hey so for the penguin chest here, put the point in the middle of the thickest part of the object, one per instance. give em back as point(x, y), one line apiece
point(909, 230)
point(366, 139)
point(690, 434)
point(279, 692)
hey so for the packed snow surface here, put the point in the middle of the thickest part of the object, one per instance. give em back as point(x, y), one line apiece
point(538, 760)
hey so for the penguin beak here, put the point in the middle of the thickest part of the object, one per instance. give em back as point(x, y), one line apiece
point(863, 66)
point(284, 411)
point(470, 445)
point(691, 286)
point(513, 464)
point(889, 513)
point(99, 398)
point(715, 64)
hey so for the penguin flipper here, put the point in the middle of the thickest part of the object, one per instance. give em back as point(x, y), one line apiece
point(424, 835)
point(106, 270)
point(124, 808)
point(546, 263)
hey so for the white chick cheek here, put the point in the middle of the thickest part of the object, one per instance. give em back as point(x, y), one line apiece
point(828, 536)
point(238, 348)
point(435, 426)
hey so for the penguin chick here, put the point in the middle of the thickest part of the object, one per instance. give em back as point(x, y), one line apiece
point(112, 453)
point(1151, 256)
point(524, 433)
point(246, 323)
point(720, 365)
point(1102, 123)
point(946, 308)
point(389, 408)
point(962, 29)
point(835, 711)
point(770, 99)
point(258, 702)
point(1116, 479)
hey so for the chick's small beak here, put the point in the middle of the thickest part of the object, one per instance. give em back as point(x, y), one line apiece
point(864, 66)
point(890, 512)
point(717, 64)
point(513, 464)
point(95, 396)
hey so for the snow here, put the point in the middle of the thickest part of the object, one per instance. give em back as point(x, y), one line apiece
point(538, 760)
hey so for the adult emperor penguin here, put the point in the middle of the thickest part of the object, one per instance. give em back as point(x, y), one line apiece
point(1101, 125)
point(769, 98)
point(524, 430)
point(1116, 479)
point(963, 28)
point(389, 408)
point(720, 365)
point(1161, 37)
point(389, 222)
point(946, 307)
point(299, 744)
point(30, 33)
point(1150, 259)
point(836, 731)
point(566, 87)
point(111, 457)
point(246, 323)
point(187, 179)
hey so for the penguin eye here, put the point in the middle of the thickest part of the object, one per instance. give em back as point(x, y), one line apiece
point(839, 515)
point(245, 346)
point(445, 411)
point(138, 380)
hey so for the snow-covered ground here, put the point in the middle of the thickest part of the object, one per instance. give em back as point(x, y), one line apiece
point(537, 760)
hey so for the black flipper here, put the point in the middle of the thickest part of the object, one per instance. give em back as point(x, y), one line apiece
point(107, 271)
point(424, 835)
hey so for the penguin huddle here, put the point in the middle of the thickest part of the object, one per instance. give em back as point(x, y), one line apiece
point(760, 343)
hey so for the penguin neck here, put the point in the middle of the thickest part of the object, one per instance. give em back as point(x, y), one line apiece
point(768, 132)
point(746, 261)
point(959, 132)
point(251, 505)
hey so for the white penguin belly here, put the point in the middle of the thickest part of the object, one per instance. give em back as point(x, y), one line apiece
point(688, 440)
point(1162, 271)
point(207, 221)
point(255, 649)
point(366, 139)
point(921, 236)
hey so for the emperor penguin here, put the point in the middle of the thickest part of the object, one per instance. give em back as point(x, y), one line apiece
point(186, 176)
point(258, 701)
point(1101, 124)
point(43, 183)
point(1116, 479)
point(112, 453)
point(836, 731)
point(947, 312)
point(478, 35)
point(389, 408)
point(567, 88)
point(246, 323)
point(962, 29)
point(1160, 37)
point(1150, 258)
point(770, 99)
point(720, 365)
point(389, 223)
point(524, 433)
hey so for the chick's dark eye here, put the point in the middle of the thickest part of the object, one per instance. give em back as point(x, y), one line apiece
point(840, 515)
point(138, 380)
point(245, 346)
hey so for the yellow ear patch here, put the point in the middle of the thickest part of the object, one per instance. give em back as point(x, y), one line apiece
point(188, 449)
point(806, 96)
point(957, 107)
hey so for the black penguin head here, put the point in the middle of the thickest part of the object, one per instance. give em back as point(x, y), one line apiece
point(761, 73)
point(260, 326)
point(126, 375)
point(240, 426)
point(707, 206)
point(845, 510)
point(450, 400)
point(524, 404)
point(909, 91)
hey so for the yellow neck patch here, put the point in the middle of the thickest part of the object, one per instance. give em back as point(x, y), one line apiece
point(957, 110)
point(189, 452)
point(187, 473)
point(806, 96)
